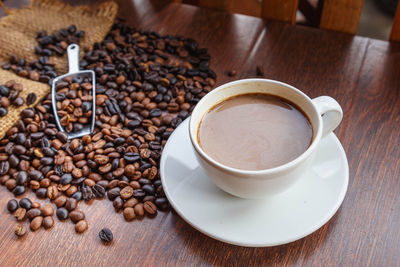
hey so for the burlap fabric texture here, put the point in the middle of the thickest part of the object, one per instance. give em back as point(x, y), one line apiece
point(18, 32)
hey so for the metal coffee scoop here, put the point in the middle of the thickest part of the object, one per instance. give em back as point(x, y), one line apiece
point(73, 70)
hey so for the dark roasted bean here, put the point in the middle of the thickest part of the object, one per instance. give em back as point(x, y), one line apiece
point(31, 98)
point(12, 205)
point(25, 203)
point(62, 213)
point(106, 235)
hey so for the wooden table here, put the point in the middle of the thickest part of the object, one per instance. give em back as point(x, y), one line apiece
point(362, 74)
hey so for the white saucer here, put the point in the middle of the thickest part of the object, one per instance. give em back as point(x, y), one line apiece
point(280, 219)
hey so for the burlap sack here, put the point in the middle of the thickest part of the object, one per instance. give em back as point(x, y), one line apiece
point(18, 33)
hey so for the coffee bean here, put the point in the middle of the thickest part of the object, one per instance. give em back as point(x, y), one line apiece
point(76, 216)
point(20, 214)
point(22, 177)
point(12, 205)
point(31, 98)
point(70, 204)
point(25, 203)
point(149, 207)
point(66, 179)
point(48, 222)
point(47, 210)
point(36, 223)
point(113, 193)
point(4, 167)
point(3, 112)
point(118, 203)
point(60, 201)
point(106, 235)
point(19, 230)
point(32, 213)
point(52, 192)
point(41, 193)
point(131, 203)
point(62, 214)
point(126, 192)
point(162, 203)
point(129, 214)
point(81, 226)
point(19, 190)
point(77, 196)
point(139, 209)
point(98, 191)
point(87, 192)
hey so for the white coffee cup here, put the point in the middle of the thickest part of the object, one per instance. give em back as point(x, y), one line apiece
point(324, 113)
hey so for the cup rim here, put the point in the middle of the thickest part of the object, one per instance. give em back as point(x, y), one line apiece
point(291, 164)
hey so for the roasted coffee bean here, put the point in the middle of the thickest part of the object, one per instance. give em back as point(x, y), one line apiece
point(139, 210)
point(19, 190)
point(149, 207)
point(32, 213)
point(106, 235)
point(20, 214)
point(126, 192)
point(62, 214)
point(98, 191)
point(41, 193)
point(118, 203)
point(52, 192)
point(87, 193)
point(19, 230)
point(48, 222)
point(81, 226)
point(31, 98)
point(66, 179)
point(113, 193)
point(12, 205)
point(77, 195)
point(36, 223)
point(70, 204)
point(22, 177)
point(25, 203)
point(47, 210)
point(4, 167)
point(60, 201)
point(162, 203)
point(76, 216)
point(129, 214)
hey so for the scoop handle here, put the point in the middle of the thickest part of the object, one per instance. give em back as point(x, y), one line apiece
point(73, 58)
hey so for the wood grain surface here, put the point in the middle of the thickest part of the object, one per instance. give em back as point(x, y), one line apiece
point(361, 73)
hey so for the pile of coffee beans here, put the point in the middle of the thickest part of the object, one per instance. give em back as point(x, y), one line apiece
point(74, 102)
point(9, 95)
point(57, 43)
point(146, 85)
point(42, 69)
point(37, 215)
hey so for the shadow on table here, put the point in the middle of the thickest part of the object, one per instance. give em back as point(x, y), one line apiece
point(217, 253)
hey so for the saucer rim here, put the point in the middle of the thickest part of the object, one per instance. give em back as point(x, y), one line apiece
point(315, 227)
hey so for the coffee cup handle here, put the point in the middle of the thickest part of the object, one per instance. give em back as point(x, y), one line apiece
point(330, 112)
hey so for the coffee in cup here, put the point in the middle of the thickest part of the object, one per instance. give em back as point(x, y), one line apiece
point(255, 131)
